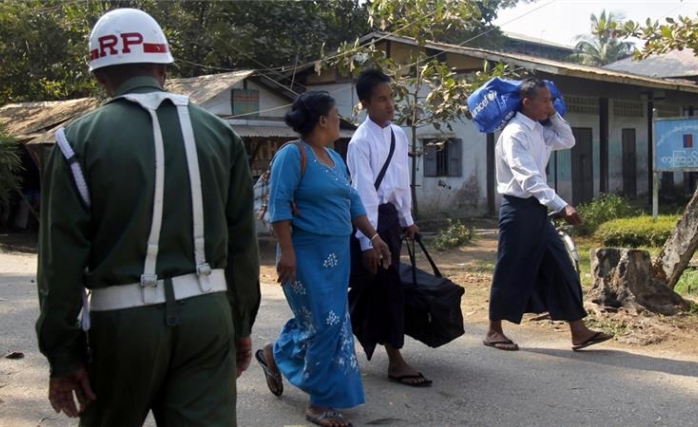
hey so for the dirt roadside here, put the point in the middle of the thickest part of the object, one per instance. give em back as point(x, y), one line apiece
point(471, 267)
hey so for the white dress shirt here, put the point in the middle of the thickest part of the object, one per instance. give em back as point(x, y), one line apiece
point(366, 154)
point(522, 153)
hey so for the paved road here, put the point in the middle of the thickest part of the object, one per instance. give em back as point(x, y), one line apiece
point(545, 384)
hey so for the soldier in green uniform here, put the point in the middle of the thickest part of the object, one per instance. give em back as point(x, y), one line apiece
point(148, 207)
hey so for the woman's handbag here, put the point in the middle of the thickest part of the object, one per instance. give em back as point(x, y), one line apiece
point(432, 302)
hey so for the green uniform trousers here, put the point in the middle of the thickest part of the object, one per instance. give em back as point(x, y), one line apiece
point(185, 373)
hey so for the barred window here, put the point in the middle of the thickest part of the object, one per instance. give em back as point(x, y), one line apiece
point(442, 158)
point(582, 105)
point(628, 109)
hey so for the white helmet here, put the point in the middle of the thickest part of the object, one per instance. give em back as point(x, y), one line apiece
point(127, 36)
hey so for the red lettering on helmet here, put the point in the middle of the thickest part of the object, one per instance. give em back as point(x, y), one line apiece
point(154, 47)
point(130, 39)
point(107, 42)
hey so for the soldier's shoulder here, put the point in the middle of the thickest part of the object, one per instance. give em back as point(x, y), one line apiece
point(89, 118)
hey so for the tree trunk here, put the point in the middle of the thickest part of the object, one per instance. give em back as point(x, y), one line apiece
point(679, 247)
point(413, 183)
point(624, 278)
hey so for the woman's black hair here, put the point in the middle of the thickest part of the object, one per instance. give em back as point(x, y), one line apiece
point(368, 79)
point(307, 110)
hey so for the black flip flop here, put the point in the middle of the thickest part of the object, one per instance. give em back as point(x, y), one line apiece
point(268, 373)
point(400, 379)
point(504, 345)
point(597, 338)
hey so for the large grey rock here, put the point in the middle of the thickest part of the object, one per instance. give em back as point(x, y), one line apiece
point(625, 278)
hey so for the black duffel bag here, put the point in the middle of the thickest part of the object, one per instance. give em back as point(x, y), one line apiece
point(432, 302)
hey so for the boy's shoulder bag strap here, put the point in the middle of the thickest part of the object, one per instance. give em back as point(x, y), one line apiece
point(381, 175)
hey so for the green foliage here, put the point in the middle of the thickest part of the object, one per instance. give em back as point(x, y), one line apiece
point(688, 283)
point(44, 43)
point(455, 234)
point(603, 208)
point(637, 231)
point(10, 169)
point(428, 92)
point(43, 56)
point(603, 46)
point(680, 33)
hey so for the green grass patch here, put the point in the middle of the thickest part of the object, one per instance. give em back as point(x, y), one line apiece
point(604, 208)
point(456, 233)
point(637, 231)
point(688, 283)
point(584, 246)
point(482, 266)
point(610, 326)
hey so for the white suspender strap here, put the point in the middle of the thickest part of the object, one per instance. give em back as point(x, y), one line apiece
point(203, 270)
point(149, 278)
point(69, 155)
point(151, 101)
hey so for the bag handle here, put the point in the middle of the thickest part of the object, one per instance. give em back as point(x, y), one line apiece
point(413, 261)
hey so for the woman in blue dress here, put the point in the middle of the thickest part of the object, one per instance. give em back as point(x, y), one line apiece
point(312, 209)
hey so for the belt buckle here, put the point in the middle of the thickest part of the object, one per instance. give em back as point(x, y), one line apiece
point(149, 285)
point(203, 271)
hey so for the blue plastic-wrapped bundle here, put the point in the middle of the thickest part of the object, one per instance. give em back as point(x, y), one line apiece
point(497, 101)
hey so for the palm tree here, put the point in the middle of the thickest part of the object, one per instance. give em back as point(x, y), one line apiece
point(603, 46)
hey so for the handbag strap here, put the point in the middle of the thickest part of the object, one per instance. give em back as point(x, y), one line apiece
point(379, 179)
point(413, 260)
point(300, 147)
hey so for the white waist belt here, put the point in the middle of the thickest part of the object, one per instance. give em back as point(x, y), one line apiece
point(138, 295)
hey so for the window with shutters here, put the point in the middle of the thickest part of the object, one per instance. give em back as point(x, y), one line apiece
point(442, 158)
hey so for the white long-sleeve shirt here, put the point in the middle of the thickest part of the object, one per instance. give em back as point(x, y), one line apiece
point(366, 154)
point(522, 153)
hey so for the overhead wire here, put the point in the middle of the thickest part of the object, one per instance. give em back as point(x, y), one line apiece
point(265, 70)
point(394, 34)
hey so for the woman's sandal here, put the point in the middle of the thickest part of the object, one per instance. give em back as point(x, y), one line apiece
point(318, 419)
point(273, 378)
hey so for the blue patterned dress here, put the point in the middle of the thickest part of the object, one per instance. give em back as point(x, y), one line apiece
point(315, 350)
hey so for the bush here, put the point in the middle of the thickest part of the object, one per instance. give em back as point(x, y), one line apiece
point(10, 169)
point(637, 231)
point(604, 208)
point(455, 234)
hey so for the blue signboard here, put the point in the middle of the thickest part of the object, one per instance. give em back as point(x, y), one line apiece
point(676, 144)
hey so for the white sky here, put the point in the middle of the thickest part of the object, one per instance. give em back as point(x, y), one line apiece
point(560, 21)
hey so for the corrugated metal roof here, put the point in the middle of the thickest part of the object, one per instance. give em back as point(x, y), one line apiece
point(548, 65)
point(27, 118)
point(537, 40)
point(202, 88)
point(677, 63)
point(30, 121)
point(275, 132)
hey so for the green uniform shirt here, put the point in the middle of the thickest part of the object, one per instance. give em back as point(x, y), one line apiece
point(105, 244)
